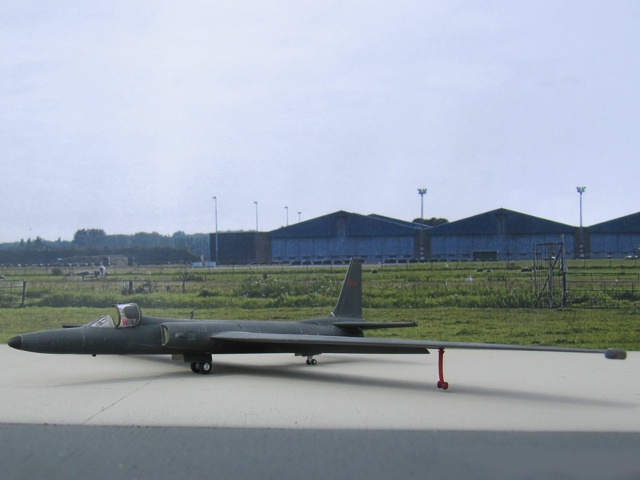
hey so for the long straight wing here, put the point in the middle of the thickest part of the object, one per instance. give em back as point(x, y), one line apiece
point(337, 344)
point(316, 344)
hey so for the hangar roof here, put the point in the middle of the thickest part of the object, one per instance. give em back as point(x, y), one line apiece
point(626, 224)
point(502, 222)
point(347, 224)
point(399, 222)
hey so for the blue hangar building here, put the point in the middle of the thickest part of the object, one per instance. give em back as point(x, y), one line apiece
point(615, 238)
point(501, 234)
point(498, 235)
point(341, 235)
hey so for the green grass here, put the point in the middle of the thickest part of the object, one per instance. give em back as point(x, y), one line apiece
point(569, 327)
point(495, 307)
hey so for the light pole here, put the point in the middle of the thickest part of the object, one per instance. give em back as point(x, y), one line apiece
point(287, 209)
point(422, 192)
point(581, 190)
point(215, 199)
point(299, 213)
point(256, 215)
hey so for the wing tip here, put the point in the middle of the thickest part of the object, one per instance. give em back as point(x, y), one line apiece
point(615, 354)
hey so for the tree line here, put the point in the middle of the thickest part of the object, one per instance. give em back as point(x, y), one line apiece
point(145, 247)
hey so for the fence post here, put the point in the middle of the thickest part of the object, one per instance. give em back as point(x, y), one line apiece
point(24, 291)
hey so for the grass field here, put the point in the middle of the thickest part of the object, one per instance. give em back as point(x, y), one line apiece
point(464, 301)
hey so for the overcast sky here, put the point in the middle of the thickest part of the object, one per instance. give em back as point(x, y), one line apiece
point(131, 115)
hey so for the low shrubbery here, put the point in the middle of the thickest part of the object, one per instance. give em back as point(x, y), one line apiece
point(416, 286)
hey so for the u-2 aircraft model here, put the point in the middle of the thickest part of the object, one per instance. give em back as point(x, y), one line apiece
point(197, 340)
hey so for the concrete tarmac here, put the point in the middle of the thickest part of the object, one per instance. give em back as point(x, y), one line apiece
point(505, 415)
point(525, 391)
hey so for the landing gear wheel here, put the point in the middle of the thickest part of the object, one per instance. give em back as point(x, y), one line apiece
point(443, 385)
point(311, 360)
point(204, 368)
point(194, 367)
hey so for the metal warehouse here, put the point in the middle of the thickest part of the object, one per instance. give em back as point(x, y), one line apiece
point(341, 235)
point(500, 234)
point(497, 235)
point(616, 238)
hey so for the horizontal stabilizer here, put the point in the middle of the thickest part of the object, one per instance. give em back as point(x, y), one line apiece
point(374, 325)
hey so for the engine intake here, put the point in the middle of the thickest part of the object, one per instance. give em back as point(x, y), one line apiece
point(181, 336)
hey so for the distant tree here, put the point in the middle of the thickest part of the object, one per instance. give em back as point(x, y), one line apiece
point(89, 237)
point(180, 239)
point(431, 222)
point(149, 240)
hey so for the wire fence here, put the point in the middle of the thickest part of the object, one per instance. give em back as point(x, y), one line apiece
point(615, 292)
point(13, 293)
point(466, 285)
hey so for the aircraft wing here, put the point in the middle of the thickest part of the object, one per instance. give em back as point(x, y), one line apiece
point(316, 344)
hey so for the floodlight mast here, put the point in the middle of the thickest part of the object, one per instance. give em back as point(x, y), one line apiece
point(422, 192)
point(256, 215)
point(581, 190)
point(215, 199)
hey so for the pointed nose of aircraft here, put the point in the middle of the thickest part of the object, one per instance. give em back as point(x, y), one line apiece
point(16, 342)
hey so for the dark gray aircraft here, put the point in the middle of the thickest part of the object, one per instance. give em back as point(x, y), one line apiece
point(195, 341)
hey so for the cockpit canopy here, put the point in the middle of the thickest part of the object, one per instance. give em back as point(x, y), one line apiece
point(129, 315)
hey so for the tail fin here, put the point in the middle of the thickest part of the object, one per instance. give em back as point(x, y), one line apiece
point(350, 301)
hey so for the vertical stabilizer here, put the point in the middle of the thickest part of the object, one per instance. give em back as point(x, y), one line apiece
point(350, 301)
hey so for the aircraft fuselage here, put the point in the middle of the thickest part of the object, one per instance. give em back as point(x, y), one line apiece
point(168, 336)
